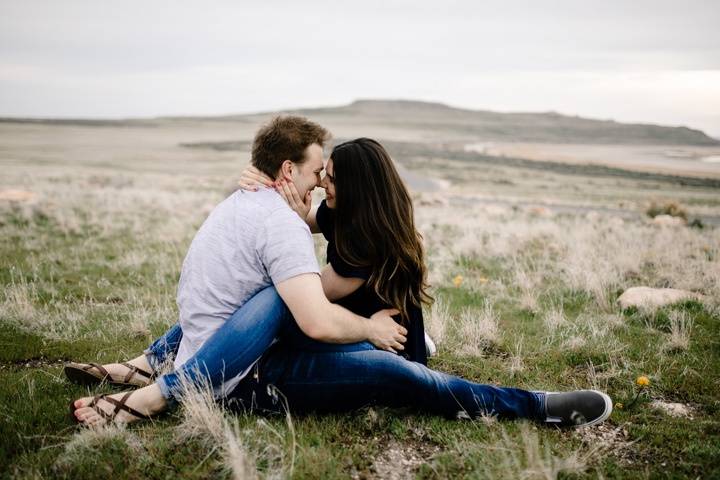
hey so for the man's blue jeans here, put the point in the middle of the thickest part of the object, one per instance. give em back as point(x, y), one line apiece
point(321, 377)
point(231, 350)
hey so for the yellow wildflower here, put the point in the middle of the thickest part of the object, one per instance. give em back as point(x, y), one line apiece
point(642, 381)
point(483, 280)
point(619, 405)
point(457, 281)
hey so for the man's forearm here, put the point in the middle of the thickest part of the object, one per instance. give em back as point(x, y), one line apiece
point(327, 322)
point(339, 325)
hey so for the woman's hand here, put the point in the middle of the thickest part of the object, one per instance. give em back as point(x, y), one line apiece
point(286, 189)
point(251, 179)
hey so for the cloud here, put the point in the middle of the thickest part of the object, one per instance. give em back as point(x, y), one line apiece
point(86, 58)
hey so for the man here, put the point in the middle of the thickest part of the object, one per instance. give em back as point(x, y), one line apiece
point(250, 241)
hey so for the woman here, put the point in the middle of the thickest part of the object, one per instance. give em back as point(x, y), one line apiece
point(375, 260)
point(375, 255)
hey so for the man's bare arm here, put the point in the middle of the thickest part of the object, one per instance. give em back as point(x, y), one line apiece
point(327, 322)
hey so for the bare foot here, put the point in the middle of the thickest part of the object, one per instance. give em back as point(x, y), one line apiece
point(147, 401)
point(136, 372)
point(120, 372)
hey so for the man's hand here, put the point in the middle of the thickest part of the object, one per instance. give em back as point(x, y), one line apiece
point(251, 178)
point(386, 334)
point(287, 190)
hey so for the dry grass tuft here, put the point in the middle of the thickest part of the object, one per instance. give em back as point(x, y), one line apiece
point(516, 359)
point(478, 329)
point(241, 450)
point(681, 325)
point(236, 456)
point(92, 441)
point(527, 281)
point(437, 321)
point(201, 416)
point(554, 319)
point(532, 459)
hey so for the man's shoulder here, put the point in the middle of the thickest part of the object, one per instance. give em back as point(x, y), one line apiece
point(270, 208)
point(263, 203)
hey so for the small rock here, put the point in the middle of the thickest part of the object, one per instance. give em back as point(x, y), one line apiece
point(431, 200)
point(541, 212)
point(496, 210)
point(673, 409)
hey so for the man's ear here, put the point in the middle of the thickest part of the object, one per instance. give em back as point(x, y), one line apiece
point(286, 170)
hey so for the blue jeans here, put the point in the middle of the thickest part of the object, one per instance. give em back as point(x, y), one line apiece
point(320, 377)
point(164, 348)
point(230, 351)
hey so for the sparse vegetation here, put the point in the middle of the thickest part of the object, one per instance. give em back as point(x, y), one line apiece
point(89, 265)
point(670, 208)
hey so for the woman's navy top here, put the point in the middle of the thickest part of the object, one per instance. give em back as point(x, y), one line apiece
point(364, 301)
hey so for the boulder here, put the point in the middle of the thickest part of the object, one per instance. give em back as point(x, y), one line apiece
point(13, 195)
point(654, 297)
point(668, 221)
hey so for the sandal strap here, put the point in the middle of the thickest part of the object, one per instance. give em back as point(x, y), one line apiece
point(105, 374)
point(135, 371)
point(94, 401)
point(94, 405)
point(120, 405)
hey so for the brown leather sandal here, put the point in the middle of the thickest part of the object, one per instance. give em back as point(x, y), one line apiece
point(109, 417)
point(93, 374)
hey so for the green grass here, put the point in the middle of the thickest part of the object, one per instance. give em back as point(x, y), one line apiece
point(92, 280)
point(34, 395)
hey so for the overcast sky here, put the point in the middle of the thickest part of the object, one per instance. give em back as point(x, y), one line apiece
point(650, 61)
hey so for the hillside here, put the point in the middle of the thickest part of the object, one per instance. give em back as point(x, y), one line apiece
point(548, 127)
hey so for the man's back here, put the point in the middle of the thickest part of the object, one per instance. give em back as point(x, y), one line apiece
point(248, 242)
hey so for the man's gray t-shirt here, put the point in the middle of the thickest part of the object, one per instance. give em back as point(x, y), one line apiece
point(248, 242)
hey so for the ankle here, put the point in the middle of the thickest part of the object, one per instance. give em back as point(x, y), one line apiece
point(151, 399)
point(142, 363)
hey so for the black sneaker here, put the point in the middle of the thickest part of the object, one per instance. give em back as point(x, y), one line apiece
point(580, 408)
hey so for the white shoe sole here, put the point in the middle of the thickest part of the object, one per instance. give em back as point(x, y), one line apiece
point(430, 348)
point(606, 413)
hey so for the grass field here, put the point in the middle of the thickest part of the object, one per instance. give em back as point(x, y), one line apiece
point(526, 266)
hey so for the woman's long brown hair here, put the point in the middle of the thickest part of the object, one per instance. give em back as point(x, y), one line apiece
point(375, 224)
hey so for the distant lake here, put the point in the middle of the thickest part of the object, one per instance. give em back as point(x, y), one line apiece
point(675, 160)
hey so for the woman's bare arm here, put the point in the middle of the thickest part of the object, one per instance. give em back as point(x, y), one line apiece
point(336, 287)
point(312, 221)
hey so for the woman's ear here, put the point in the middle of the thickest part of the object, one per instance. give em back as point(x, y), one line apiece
point(286, 170)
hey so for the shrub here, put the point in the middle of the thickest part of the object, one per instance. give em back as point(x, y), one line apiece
point(669, 208)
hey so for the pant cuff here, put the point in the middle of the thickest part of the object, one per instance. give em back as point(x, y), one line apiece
point(167, 392)
point(152, 360)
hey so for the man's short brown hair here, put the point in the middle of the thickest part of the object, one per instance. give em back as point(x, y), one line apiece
point(285, 138)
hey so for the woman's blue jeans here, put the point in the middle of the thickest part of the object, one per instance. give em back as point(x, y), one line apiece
point(320, 377)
